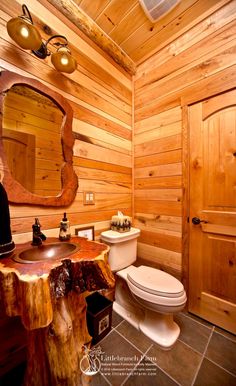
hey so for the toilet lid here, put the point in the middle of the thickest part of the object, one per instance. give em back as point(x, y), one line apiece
point(155, 282)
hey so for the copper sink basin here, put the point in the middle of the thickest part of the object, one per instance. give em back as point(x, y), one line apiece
point(44, 252)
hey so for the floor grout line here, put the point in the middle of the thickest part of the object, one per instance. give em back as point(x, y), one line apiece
point(194, 349)
point(150, 359)
point(114, 328)
point(223, 368)
point(210, 327)
point(141, 358)
point(168, 375)
point(137, 364)
point(197, 321)
point(225, 336)
point(127, 340)
point(203, 355)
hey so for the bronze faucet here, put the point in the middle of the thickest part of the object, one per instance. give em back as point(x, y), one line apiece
point(38, 236)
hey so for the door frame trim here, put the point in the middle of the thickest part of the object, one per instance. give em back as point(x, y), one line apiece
point(206, 88)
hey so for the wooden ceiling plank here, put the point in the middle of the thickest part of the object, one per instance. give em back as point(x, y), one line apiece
point(138, 36)
point(176, 28)
point(150, 30)
point(93, 8)
point(113, 13)
point(128, 25)
point(69, 9)
point(77, 2)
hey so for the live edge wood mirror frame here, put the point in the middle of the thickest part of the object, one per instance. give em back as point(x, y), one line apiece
point(17, 193)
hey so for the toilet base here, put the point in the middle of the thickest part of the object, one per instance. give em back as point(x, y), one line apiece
point(131, 315)
point(125, 305)
point(161, 328)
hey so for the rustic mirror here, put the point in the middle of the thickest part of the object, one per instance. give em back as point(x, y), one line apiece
point(36, 143)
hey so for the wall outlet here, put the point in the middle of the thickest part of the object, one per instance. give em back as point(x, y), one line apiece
point(89, 198)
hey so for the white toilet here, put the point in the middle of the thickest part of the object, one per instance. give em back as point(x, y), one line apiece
point(146, 297)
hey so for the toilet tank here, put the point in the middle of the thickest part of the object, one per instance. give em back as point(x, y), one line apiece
point(123, 247)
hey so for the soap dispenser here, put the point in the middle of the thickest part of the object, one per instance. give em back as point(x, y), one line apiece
point(64, 233)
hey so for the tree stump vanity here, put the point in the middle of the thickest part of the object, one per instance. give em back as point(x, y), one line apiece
point(49, 296)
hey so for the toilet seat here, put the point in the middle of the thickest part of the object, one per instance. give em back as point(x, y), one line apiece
point(156, 282)
point(157, 299)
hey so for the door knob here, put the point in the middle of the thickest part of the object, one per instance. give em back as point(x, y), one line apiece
point(196, 221)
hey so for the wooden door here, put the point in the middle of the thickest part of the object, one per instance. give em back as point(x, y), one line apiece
point(20, 153)
point(212, 254)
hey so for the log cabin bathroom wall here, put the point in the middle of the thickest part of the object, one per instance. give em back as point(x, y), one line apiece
point(187, 64)
point(100, 93)
point(129, 130)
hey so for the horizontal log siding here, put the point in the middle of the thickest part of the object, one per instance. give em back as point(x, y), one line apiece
point(100, 95)
point(175, 73)
point(101, 99)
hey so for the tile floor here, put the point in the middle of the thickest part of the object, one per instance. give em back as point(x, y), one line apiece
point(204, 355)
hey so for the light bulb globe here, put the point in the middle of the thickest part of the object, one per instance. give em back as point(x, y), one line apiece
point(63, 61)
point(24, 34)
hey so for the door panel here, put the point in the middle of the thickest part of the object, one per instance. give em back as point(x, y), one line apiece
point(212, 253)
point(219, 162)
point(20, 152)
point(220, 257)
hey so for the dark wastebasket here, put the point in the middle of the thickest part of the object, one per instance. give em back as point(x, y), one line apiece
point(99, 316)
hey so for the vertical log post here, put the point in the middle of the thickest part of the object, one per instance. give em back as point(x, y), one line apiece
point(54, 352)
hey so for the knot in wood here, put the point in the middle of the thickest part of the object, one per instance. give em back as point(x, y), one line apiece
point(47, 30)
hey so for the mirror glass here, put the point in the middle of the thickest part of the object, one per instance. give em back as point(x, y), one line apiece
point(31, 135)
point(36, 143)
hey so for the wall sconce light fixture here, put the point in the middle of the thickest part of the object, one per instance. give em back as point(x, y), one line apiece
point(22, 30)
